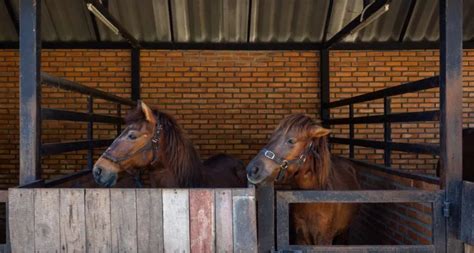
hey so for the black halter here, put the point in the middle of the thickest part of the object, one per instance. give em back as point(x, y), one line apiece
point(283, 163)
point(153, 145)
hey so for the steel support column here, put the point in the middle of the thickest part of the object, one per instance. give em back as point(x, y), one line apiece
point(324, 91)
point(451, 115)
point(135, 74)
point(30, 91)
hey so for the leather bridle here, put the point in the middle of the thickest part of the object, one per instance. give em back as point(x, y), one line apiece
point(283, 163)
point(153, 145)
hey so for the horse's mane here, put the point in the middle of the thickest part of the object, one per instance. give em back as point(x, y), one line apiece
point(319, 158)
point(179, 154)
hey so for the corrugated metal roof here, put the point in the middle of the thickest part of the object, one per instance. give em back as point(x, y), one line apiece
point(228, 21)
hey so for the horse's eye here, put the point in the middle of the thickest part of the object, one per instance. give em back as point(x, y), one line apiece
point(132, 136)
point(292, 141)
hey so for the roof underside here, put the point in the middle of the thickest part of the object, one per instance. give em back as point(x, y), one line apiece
point(234, 21)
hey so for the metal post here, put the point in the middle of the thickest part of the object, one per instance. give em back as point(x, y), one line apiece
point(30, 90)
point(135, 74)
point(387, 132)
point(324, 92)
point(351, 131)
point(119, 123)
point(451, 115)
point(90, 132)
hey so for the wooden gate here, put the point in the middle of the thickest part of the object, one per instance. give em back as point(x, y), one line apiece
point(132, 220)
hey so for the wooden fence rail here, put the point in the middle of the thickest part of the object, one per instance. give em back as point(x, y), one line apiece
point(132, 220)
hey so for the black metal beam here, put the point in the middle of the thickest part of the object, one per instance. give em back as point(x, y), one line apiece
point(249, 21)
point(431, 149)
point(327, 21)
point(407, 20)
point(170, 18)
point(122, 31)
point(135, 58)
point(423, 84)
point(13, 18)
point(346, 30)
point(73, 86)
point(325, 85)
point(392, 118)
point(451, 89)
point(95, 27)
point(380, 46)
point(57, 114)
point(30, 91)
point(64, 147)
point(397, 172)
point(67, 178)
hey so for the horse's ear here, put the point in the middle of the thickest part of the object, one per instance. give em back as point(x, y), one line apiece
point(149, 116)
point(318, 131)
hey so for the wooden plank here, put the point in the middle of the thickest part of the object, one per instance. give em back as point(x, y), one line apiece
point(266, 217)
point(201, 209)
point(22, 217)
point(176, 220)
point(224, 236)
point(149, 220)
point(72, 220)
point(244, 220)
point(124, 220)
point(98, 236)
point(468, 248)
point(47, 238)
point(360, 196)
point(467, 213)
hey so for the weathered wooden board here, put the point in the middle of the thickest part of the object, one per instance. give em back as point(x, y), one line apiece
point(123, 220)
point(98, 235)
point(176, 220)
point(72, 220)
point(202, 225)
point(21, 220)
point(47, 238)
point(224, 235)
point(149, 220)
point(244, 220)
point(132, 220)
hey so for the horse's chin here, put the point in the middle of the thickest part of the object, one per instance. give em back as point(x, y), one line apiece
point(255, 181)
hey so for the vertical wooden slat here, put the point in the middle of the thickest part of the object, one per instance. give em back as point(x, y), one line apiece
point(451, 113)
point(224, 236)
point(30, 90)
point(201, 209)
point(176, 220)
point(98, 236)
point(149, 220)
point(47, 238)
point(244, 220)
point(439, 225)
point(124, 220)
point(22, 232)
point(266, 217)
point(72, 220)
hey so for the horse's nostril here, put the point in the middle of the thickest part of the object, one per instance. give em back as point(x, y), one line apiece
point(98, 171)
point(255, 170)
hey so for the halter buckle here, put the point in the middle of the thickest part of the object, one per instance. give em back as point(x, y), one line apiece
point(269, 154)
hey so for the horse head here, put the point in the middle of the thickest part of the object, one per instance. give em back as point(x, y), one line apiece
point(135, 148)
point(297, 150)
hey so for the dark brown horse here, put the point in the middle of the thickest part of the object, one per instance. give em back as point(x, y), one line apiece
point(153, 140)
point(298, 154)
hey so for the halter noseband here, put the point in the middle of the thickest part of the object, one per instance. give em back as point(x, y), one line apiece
point(283, 163)
point(154, 145)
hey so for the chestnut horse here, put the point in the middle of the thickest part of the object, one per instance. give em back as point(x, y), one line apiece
point(154, 140)
point(298, 155)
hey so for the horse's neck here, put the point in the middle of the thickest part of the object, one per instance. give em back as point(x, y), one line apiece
point(311, 181)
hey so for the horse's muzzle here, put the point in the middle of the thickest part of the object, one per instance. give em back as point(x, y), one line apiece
point(104, 177)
